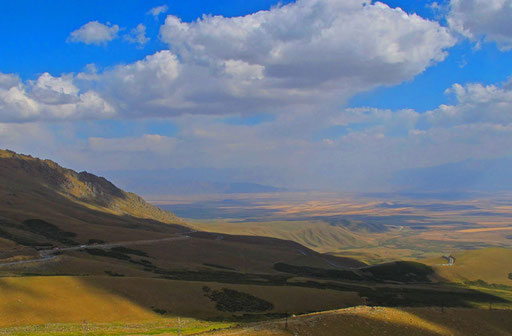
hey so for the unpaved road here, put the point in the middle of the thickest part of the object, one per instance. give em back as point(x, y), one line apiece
point(48, 255)
point(451, 261)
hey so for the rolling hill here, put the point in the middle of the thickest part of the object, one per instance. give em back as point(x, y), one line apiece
point(75, 247)
point(48, 214)
point(361, 321)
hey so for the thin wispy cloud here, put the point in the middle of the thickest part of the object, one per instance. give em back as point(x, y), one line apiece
point(156, 11)
point(137, 35)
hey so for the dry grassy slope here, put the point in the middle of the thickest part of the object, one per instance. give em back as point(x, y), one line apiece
point(363, 321)
point(492, 265)
point(93, 208)
point(40, 300)
point(317, 235)
point(81, 203)
point(64, 299)
point(20, 173)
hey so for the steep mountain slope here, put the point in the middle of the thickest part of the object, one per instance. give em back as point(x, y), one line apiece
point(43, 206)
point(22, 173)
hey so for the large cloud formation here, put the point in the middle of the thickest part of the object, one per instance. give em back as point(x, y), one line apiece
point(306, 53)
point(488, 19)
point(349, 149)
point(48, 98)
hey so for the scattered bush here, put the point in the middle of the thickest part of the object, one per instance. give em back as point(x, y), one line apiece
point(482, 283)
point(159, 311)
point(95, 241)
point(114, 274)
point(400, 271)
point(126, 250)
point(49, 231)
point(108, 254)
point(219, 266)
point(230, 300)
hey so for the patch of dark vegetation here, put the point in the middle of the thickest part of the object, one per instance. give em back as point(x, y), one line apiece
point(21, 240)
point(126, 250)
point(400, 271)
point(482, 283)
point(49, 231)
point(95, 241)
point(393, 296)
point(417, 297)
point(159, 311)
point(354, 223)
point(229, 300)
point(221, 276)
point(143, 262)
point(33, 274)
point(314, 272)
point(219, 266)
point(508, 236)
point(108, 254)
point(114, 274)
point(120, 254)
point(257, 240)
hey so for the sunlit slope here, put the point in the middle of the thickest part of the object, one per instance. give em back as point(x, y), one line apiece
point(70, 207)
point(493, 265)
point(363, 321)
point(25, 179)
point(40, 300)
point(317, 235)
point(65, 299)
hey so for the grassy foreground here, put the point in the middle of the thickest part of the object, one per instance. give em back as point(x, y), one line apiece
point(356, 321)
point(363, 321)
point(167, 326)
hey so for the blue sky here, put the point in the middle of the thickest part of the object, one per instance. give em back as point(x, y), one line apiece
point(341, 84)
point(39, 44)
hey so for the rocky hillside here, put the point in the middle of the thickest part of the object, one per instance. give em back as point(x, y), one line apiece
point(22, 173)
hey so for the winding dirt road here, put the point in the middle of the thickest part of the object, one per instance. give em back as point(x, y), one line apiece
point(49, 255)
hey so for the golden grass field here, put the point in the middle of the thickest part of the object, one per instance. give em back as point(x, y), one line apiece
point(492, 265)
point(363, 321)
point(414, 229)
point(34, 300)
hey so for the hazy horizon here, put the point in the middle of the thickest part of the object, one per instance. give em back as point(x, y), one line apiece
point(227, 96)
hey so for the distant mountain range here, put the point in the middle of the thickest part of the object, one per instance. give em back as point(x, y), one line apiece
point(187, 181)
point(459, 177)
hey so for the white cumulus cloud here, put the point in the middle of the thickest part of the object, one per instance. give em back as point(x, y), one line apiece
point(94, 32)
point(487, 19)
point(49, 98)
point(137, 35)
point(307, 54)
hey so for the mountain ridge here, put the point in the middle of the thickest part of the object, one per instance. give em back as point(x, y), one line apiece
point(19, 172)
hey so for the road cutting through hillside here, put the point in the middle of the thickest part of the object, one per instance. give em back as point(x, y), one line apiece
point(49, 255)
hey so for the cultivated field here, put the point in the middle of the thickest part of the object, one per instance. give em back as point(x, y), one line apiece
point(370, 229)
